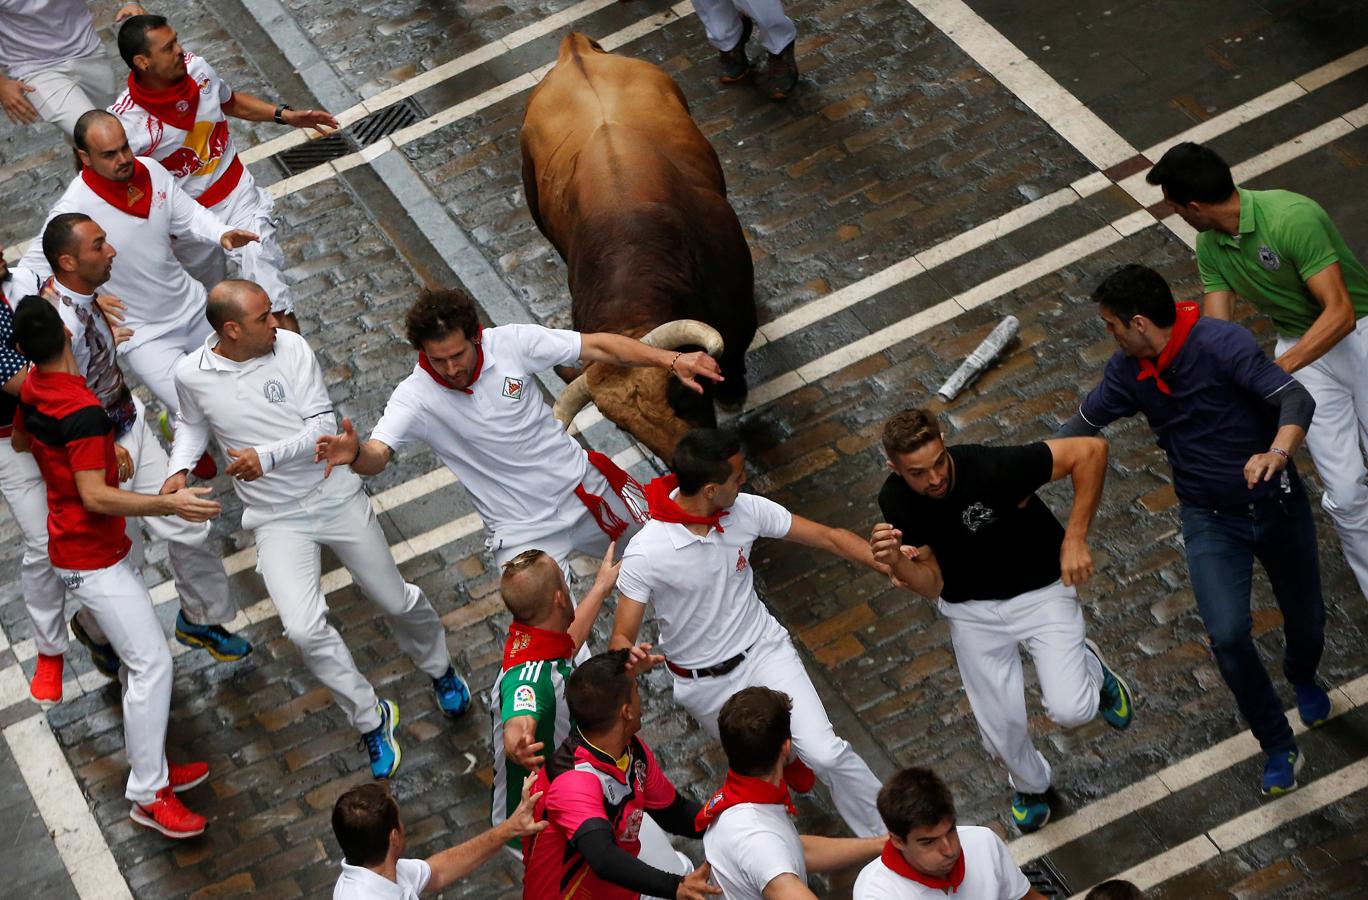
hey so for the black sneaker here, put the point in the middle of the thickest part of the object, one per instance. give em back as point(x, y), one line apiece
point(783, 73)
point(735, 64)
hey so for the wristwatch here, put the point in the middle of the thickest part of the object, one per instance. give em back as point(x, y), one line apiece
point(280, 108)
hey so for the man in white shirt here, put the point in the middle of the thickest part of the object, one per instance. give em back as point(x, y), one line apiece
point(141, 209)
point(755, 851)
point(717, 635)
point(929, 856)
point(473, 399)
point(57, 69)
point(260, 392)
point(175, 110)
point(368, 826)
point(81, 257)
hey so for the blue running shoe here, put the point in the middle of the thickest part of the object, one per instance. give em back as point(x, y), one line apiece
point(453, 697)
point(381, 743)
point(1117, 703)
point(1030, 812)
point(1281, 771)
point(1313, 704)
point(222, 644)
point(104, 657)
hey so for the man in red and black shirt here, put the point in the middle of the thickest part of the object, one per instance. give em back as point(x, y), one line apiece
point(597, 788)
point(72, 440)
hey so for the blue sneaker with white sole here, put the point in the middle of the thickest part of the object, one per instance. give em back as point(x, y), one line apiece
point(1117, 703)
point(1030, 812)
point(1313, 704)
point(105, 658)
point(221, 643)
point(381, 743)
point(1281, 771)
point(453, 696)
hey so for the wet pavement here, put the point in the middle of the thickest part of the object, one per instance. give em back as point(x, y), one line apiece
point(897, 143)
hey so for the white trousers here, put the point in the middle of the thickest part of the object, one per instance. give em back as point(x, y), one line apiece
point(722, 21)
point(250, 208)
point(66, 90)
point(987, 635)
point(1337, 437)
point(773, 663)
point(24, 491)
point(154, 360)
point(119, 601)
point(657, 851)
point(338, 514)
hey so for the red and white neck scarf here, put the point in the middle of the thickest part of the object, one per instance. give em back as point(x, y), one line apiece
point(742, 789)
point(133, 196)
point(176, 105)
point(528, 644)
point(893, 858)
point(1188, 314)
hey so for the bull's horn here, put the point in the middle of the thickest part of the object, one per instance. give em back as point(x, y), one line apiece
point(571, 400)
point(681, 332)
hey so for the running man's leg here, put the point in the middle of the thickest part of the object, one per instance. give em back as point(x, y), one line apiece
point(44, 596)
point(1051, 626)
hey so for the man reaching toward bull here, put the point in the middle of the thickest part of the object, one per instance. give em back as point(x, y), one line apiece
point(472, 398)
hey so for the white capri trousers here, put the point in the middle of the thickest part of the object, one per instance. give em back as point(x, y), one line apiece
point(44, 596)
point(987, 635)
point(119, 602)
point(66, 90)
point(722, 21)
point(1338, 435)
point(772, 662)
point(338, 514)
point(252, 209)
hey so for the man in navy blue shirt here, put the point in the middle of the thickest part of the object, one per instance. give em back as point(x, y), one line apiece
point(1229, 420)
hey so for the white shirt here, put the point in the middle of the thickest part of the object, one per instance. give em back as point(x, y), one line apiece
point(702, 588)
point(160, 295)
point(750, 845)
point(989, 874)
point(21, 283)
point(277, 404)
point(35, 34)
point(357, 883)
point(198, 157)
point(518, 463)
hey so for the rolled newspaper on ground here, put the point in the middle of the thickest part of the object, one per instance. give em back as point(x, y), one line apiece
point(980, 359)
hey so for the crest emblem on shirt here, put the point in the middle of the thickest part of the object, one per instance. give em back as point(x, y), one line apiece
point(521, 642)
point(72, 580)
point(273, 391)
point(524, 699)
point(513, 388)
point(134, 195)
point(740, 561)
point(182, 106)
point(1268, 259)
point(977, 516)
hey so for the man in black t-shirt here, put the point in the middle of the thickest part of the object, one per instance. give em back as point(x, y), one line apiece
point(963, 525)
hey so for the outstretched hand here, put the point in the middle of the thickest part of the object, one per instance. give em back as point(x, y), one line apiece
point(689, 367)
point(338, 449)
point(523, 821)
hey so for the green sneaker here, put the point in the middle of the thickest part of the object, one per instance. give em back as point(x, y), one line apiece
point(1030, 812)
point(1117, 702)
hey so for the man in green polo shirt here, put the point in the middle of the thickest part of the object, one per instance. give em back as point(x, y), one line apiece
point(1281, 252)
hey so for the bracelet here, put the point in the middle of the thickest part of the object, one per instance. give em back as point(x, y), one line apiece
point(356, 457)
point(1280, 451)
point(280, 108)
point(677, 355)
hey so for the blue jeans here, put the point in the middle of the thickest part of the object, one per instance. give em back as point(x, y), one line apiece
point(1222, 545)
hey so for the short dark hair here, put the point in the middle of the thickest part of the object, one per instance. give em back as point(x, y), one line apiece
point(38, 329)
point(1116, 889)
point(597, 689)
point(1190, 172)
point(909, 430)
point(436, 314)
point(914, 798)
point(362, 819)
point(703, 456)
point(86, 122)
point(753, 724)
point(133, 35)
point(59, 237)
point(1136, 290)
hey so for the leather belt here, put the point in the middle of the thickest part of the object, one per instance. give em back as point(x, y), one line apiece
point(721, 668)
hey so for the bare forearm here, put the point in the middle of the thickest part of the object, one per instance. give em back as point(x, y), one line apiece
point(249, 107)
point(1219, 305)
point(1289, 438)
point(1088, 477)
point(457, 862)
point(919, 578)
point(112, 501)
point(372, 458)
point(827, 854)
point(1330, 327)
point(623, 351)
point(585, 614)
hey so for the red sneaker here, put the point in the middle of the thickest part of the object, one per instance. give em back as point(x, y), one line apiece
point(184, 776)
point(46, 686)
point(169, 816)
point(206, 468)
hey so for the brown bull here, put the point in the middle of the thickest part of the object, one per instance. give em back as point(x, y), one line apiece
point(631, 194)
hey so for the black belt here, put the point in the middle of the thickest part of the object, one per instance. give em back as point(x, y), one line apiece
point(721, 668)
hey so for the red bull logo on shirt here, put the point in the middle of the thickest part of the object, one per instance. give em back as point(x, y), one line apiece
point(204, 146)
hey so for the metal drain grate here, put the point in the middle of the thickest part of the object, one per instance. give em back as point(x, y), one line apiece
point(361, 133)
point(1045, 878)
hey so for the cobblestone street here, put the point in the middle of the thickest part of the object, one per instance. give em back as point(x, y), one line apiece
point(942, 164)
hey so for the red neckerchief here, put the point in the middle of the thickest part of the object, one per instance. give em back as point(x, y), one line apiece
point(742, 789)
point(893, 858)
point(1188, 314)
point(663, 507)
point(528, 644)
point(176, 105)
point(133, 196)
point(426, 365)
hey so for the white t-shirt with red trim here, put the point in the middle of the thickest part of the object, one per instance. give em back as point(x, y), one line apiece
point(989, 874)
point(750, 845)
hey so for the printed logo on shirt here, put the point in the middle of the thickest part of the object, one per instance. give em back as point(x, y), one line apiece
point(158, 199)
point(1268, 259)
point(977, 516)
point(72, 580)
point(182, 106)
point(513, 388)
point(524, 699)
point(273, 391)
point(740, 561)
